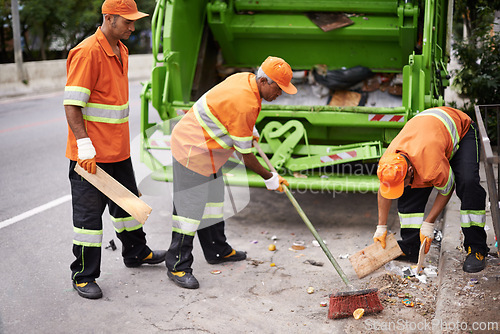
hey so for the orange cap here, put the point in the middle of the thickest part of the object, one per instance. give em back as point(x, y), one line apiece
point(391, 172)
point(125, 8)
point(279, 71)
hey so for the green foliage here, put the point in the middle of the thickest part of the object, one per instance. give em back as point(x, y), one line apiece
point(478, 54)
point(50, 28)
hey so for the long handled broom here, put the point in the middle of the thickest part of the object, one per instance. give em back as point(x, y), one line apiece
point(342, 304)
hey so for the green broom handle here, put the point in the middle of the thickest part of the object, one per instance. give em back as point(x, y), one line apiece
point(305, 219)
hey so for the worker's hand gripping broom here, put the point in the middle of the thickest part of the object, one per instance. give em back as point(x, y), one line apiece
point(342, 304)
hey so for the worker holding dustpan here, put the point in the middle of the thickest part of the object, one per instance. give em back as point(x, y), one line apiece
point(438, 148)
point(221, 122)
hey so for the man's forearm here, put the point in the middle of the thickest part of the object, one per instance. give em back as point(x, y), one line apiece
point(384, 205)
point(438, 206)
point(251, 162)
point(75, 121)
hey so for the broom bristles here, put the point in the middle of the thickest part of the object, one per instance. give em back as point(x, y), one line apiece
point(343, 304)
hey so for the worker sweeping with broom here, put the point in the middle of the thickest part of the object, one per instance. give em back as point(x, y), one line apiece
point(438, 148)
point(221, 122)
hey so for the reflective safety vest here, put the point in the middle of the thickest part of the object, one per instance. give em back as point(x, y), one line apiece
point(219, 123)
point(98, 83)
point(430, 139)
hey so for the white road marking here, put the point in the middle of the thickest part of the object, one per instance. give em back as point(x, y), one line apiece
point(35, 211)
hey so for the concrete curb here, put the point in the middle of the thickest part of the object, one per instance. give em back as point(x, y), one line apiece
point(449, 266)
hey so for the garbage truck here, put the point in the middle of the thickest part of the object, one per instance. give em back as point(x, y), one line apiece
point(195, 43)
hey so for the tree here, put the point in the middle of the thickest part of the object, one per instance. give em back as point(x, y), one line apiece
point(477, 52)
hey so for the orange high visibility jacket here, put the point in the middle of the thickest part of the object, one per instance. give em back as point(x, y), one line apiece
point(429, 140)
point(98, 82)
point(220, 122)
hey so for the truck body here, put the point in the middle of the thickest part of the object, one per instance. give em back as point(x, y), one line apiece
point(309, 143)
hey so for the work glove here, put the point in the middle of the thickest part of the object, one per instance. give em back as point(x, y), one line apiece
point(255, 134)
point(427, 234)
point(275, 182)
point(86, 155)
point(380, 235)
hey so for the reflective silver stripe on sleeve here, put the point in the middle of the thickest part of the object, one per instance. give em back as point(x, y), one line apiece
point(449, 184)
point(74, 95)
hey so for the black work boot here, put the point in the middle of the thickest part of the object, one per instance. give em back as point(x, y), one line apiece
point(88, 290)
point(231, 257)
point(154, 257)
point(184, 279)
point(474, 262)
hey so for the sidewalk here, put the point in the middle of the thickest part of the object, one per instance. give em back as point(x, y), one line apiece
point(466, 302)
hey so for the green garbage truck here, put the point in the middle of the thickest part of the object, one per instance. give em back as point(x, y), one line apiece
point(196, 42)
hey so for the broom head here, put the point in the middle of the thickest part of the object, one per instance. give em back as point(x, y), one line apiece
point(343, 304)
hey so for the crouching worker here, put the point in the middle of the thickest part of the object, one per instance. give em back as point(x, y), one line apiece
point(219, 123)
point(438, 148)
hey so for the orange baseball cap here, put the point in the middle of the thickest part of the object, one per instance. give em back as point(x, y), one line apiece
point(279, 71)
point(391, 172)
point(125, 8)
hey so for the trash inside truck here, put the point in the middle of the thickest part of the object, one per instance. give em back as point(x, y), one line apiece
point(363, 68)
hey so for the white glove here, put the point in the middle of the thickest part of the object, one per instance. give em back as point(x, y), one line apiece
point(427, 233)
point(85, 149)
point(86, 155)
point(380, 235)
point(276, 182)
point(273, 182)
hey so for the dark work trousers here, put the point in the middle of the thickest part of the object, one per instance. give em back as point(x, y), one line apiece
point(198, 199)
point(465, 166)
point(88, 207)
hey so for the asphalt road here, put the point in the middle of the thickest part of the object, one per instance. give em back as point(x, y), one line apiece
point(36, 237)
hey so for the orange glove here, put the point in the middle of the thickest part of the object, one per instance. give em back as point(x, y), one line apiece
point(276, 182)
point(380, 235)
point(427, 234)
point(86, 155)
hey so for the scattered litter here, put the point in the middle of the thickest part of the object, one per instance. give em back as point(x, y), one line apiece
point(422, 278)
point(407, 272)
point(324, 176)
point(274, 237)
point(299, 175)
point(310, 290)
point(438, 236)
point(300, 255)
point(473, 281)
point(272, 247)
point(358, 313)
point(323, 304)
point(314, 263)
point(407, 302)
point(430, 272)
point(215, 272)
point(316, 243)
point(111, 245)
point(256, 262)
point(298, 245)
point(343, 256)
point(254, 241)
point(401, 295)
point(272, 264)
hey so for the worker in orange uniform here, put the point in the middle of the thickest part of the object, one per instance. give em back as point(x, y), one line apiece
point(438, 148)
point(97, 109)
point(221, 122)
